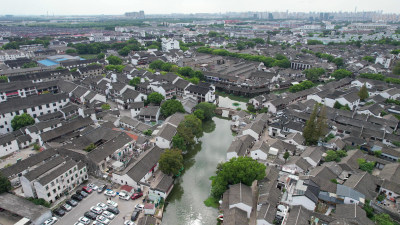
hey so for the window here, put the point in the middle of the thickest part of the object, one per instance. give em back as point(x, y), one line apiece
point(48, 194)
point(47, 188)
point(47, 105)
point(40, 107)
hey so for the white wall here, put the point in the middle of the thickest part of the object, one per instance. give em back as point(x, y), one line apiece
point(258, 154)
point(304, 201)
point(243, 207)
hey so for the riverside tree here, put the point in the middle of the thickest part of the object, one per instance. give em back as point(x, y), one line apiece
point(171, 161)
point(170, 107)
point(237, 170)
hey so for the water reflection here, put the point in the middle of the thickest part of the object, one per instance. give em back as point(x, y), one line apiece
point(185, 203)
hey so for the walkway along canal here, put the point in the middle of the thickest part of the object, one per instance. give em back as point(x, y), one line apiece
point(185, 202)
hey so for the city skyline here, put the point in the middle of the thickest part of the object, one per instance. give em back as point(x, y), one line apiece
point(102, 7)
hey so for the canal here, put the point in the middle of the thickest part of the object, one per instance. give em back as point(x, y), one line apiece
point(185, 202)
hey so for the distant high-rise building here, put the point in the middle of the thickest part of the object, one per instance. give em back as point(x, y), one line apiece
point(136, 15)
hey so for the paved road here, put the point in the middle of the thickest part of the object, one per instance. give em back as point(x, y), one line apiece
point(125, 207)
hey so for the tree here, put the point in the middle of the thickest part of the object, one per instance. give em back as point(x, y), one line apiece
point(314, 74)
point(237, 170)
point(208, 109)
point(286, 155)
point(114, 60)
point(170, 107)
point(29, 65)
point(101, 55)
point(156, 65)
point(135, 81)
point(378, 153)
point(396, 69)
point(148, 132)
point(22, 121)
point(331, 156)
point(194, 124)
point(338, 61)
point(171, 161)
point(3, 79)
point(199, 113)
point(365, 166)
point(70, 51)
point(155, 98)
point(363, 93)
point(321, 123)
point(5, 184)
point(368, 58)
point(383, 219)
point(341, 73)
point(179, 142)
point(309, 129)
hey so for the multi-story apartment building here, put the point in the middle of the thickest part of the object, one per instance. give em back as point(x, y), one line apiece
point(35, 106)
point(53, 179)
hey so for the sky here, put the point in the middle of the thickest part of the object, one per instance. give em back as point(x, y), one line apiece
point(118, 7)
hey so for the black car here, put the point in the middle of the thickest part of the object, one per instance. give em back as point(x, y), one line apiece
point(135, 214)
point(84, 194)
point(77, 197)
point(72, 202)
point(90, 215)
point(113, 210)
point(102, 188)
point(59, 212)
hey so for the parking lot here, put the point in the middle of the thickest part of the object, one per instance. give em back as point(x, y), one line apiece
point(125, 207)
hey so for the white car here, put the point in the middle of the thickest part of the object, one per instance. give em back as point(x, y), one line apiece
point(96, 209)
point(79, 223)
point(93, 186)
point(110, 193)
point(124, 195)
point(50, 221)
point(84, 220)
point(112, 203)
point(108, 215)
point(102, 219)
point(139, 206)
point(129, 222)
point(97, 223)
point(102, 206)
point(66, 207)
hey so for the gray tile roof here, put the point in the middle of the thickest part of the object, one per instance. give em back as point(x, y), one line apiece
point(144, 163)
point(167, 132)
point(57, 172)
point(42, 169)
point(17, 104)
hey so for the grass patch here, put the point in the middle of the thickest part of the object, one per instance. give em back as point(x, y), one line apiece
point(211, 202)
point(281, 91)
point(89, 56)
point(233, 97)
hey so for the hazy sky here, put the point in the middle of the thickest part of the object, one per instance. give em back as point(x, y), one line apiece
point(96, 7)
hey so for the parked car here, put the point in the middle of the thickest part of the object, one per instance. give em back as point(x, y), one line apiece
point(102, 188)
point(77, 197)
point(113, 210)
point(102, 206)
point(108, 215)
point(50, 221)
point(136, 195)
point(110, 193)
point(103, 219)
point(139, 206)
point(84, 220)
point(124, 195)
point(128, 222)
point(97, 223)
point(87, 189)
point(79, 223)
point(96, 210)
point(112, 204)
point(72, 202)
point(84, 194)
point(59, 212)
point(90, 215)
point(66, 207)
point(135, 215)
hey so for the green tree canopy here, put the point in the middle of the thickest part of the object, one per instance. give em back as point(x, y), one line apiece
point(171, 161)
point(135, 81)
point(22, 121)
point(5, 184)
point(396, 69)
point(366, 166)
point(237, 170)
point(155, 98)
point(286, 155)
point(314, 74)
point(208, 109)
point(101, 55)
point(170, 107)
point(179, 142)
point(363, 93)
point(114, 60)
point(301, 86)
point(316, 126)
point(341, 73)
point(3, 78)
point(199, 113)
point(332, 155)
point(368, 58)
